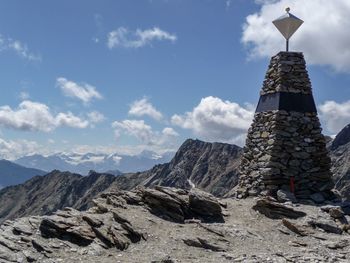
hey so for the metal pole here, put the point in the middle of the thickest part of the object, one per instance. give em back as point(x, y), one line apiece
point(287, 45)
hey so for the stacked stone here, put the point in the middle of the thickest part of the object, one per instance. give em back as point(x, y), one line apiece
point(285, 149)
point(287, 73)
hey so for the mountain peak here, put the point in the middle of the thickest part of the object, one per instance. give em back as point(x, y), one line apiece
point(343, 137)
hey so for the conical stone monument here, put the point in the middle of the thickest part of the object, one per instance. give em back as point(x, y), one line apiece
point(285, 149)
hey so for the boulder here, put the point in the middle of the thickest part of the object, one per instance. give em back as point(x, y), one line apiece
point(299, 230)
point(327, 225)
point(275, 210)
point(163, 205)
point(203, 243)
point(318, 198)
point(336, 212)
point(179, 205)
point(205, 205)
point(285, 196)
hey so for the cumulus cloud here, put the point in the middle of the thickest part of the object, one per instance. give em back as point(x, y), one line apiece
point(136, 128)
point(96, 117)
point(322, 37)
point(13, 149)
point(70, 120)
point(144, 132)
point(167, 131)
point(216, 120)
point(21, 49)
point(335, 116)
point(34, 116)
point(83, 92)
point(144, 108)
point(123, 37)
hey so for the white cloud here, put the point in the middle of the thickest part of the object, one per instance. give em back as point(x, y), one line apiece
point(123, 37)
point(70, 120)
point(18, 47)
point(335, 116)
point(23, 95)
point(167, 131)
point(96, 117)
point(323, 37)
point(144, 132)
point(83, 92)
point(216, 120)
point(10, 149)
point(144, 108)
point(136, 128)
point(34, 116)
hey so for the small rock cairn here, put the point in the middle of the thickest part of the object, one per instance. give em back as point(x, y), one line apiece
point(285, 149)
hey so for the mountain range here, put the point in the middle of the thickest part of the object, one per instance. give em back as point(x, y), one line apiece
point(212, 167)
point(83, 163)
point(209, 166)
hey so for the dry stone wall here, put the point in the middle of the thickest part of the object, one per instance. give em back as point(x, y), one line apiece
point(285, 149)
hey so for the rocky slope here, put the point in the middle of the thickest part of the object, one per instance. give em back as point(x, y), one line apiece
point(342, 138)
point(340, 154)
point(208, 166)
point(44, 194)
point(165, 225)
point(12, 174)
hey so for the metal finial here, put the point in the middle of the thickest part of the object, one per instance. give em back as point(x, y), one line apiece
point(287, 25)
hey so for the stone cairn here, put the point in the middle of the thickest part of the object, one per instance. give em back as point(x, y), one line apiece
point(285, 149)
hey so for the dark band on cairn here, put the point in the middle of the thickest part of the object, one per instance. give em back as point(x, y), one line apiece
point(287, 101)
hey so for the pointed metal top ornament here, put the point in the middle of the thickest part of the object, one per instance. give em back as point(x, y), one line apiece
point(287, 25)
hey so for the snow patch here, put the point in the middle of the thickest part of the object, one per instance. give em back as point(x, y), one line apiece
point(191, 183)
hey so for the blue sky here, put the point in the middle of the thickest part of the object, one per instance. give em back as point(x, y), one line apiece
point(131, 75)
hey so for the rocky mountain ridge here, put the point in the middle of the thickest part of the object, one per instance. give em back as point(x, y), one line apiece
point(208, 166)
point(44, 194)
point(212, 167)
point(340, 154)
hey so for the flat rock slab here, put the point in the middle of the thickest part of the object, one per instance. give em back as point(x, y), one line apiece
point(276, 210)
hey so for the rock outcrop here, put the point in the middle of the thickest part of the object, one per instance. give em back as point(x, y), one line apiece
point(341, 166)
point(104, 226)
point(166, 225)
point(342, 138)
point(207, 166)
point(211, 167)
point(45, 194)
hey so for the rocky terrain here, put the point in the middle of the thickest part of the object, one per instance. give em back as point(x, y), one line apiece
point(44, 194)
point(175, 225)
point(340, 153)
point(208, 166)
